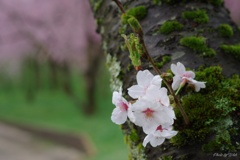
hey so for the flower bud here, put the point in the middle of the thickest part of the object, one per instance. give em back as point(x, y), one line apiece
point(135, 25)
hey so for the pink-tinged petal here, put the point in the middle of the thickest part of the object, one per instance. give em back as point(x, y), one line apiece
point(144, 78)
point(157, 141)
point(137, 108)
point(150, 128)
point(178, 69)
point(147, 139)
point(189, 74)
point(176, 82)
point(119, 116)
point(136, 91)
point(157, 81)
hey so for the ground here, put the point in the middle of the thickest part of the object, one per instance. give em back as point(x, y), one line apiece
point(16, 144)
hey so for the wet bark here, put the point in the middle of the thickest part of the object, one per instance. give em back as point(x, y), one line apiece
point(158, 45)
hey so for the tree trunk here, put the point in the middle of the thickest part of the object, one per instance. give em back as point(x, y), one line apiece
point(159, 45)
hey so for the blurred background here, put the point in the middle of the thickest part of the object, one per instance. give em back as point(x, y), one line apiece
point(55, 100)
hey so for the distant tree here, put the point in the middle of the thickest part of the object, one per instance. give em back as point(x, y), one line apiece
point(59, 31)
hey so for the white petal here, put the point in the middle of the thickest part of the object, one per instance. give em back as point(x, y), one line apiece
point(144, 78)
point(147, 139)
point(163, 97)
point(119, 116)
point(157, 81)
point(163, 118)
point(150, 127)
point(176, 82)
point(157, 141)
point(116, 97)
point(170, 112)
point(199, 85)
point(171, 134)
point(131, 115)
point(140, 105)
point(136, 91)
point(152, 93)
point(178, 69)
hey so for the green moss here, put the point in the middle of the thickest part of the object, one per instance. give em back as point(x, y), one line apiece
point(199, 110)
point(211, 113)
point(138, 12)
point(197, 44)
point(198, 16)
point(170, 26)
point(134, 136)
point(222, 139)
point(232, 49)
point(96, 4)
point(216, 2)
point(166, 158)
point(209, 52)
point(225, 30)
point(223, 104)
point(164, 60)
point(156, 2)
point(212, 75)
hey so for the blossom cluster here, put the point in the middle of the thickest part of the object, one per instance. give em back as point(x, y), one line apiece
point(152, 109)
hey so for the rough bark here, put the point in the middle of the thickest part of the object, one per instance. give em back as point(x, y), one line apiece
point(158, 45)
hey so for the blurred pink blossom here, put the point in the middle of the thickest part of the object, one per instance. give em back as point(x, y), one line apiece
point(65, 29)
point(233, 7)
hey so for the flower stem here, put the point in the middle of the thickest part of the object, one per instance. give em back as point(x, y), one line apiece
point(178, 90)
point(186, 119)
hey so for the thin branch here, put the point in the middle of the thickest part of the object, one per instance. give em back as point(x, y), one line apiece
point(186, 119)
point(119, 4)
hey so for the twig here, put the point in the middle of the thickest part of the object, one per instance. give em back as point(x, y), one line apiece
point(186, 119)
point(119, 4)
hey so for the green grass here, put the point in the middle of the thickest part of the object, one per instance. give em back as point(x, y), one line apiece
point(54, 110)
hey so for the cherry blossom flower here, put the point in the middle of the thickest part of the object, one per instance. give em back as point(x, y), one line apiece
point(159, 135)
point(181, 77)
point(120, 113)
point(145, 79)
point(150, 114)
